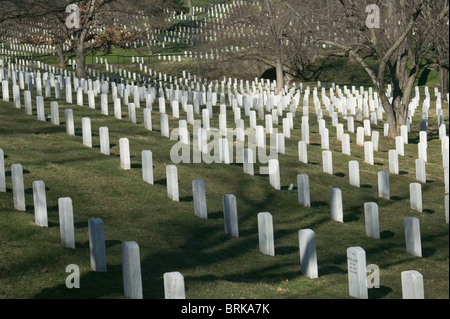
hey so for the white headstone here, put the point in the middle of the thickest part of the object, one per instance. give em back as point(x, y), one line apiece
point(393, 162)
point(174, 285)
point(147, 166)
point(124, 146)
point(164, 125)
point(104, 140)
point(421, 174)
point(383, 185)
point(371, 220)
point(412, 236)
point(86, 129)
point(274, 173)
point(336, 210)
point(400, 146)
point(308, 254)
point(412, 285)
point(54, 112)
point(2, 172)
point(230, 215)
point(368, 153)
point(265, 234)
point(415, 196)
point(40, 204)
point(248, 161)
point(172, 182)
point(18, 187)
point(353, 173)
point(346, 144)
point(131, 270)
point(357, 276)
point(302, 152)
point(199, 196)
point(97, 246)
point(66, 225)
point(303, 190)
point(327, 162)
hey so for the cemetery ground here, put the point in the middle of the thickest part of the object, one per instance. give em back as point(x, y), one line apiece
point(172, 238)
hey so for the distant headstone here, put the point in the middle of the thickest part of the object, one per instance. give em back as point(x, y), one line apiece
point(40, 108)
point(383, 185)
point(104, 104)
point(371, 220)
point(303, 190)
point(336, 210)
point(248, 161)
point(164, 125)
point(2, 172)
point(360, 136)
point(353, 173)
point(124, 146)
point(302, 152)
point(172, 182)
point(421, 174)
point(147, 166)
point(368, 153)
point(86, 131)
point(27, 101)
point(199, 195)
point(40, 204)
point(324, 139)
point(393, 162)
point(104, 140)
point(230, 215)
point(117, 108)
point(346, 144)
point(54, 112)
point(415, 196)
point(18, 187)
point(66, 225)
point(446, 208)
point(327, 162)
point(70, 128)
point(274, 173)
point(148, 119)
point(400, 146)
point(97, 247)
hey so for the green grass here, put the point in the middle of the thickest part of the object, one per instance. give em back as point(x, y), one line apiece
point(172, 238)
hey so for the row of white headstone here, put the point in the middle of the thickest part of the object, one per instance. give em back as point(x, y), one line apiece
point(173, 281)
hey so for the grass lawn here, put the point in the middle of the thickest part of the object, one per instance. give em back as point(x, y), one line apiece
point(171, 238)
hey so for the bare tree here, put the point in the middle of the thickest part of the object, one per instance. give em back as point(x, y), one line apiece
point(439, 44)
point(396, 33)
point(268, 25)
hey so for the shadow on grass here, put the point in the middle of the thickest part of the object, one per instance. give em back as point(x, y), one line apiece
point(187, 199)
point(379, 293)
point(286, 250)
point(385, 234)
point(161, 182)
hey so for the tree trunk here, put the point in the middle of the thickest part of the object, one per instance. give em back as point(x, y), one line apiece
point(443, 74)
point(279, 69)
point(81, 60)
point(191, 8)
point(149, 48)
point(62, 58)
